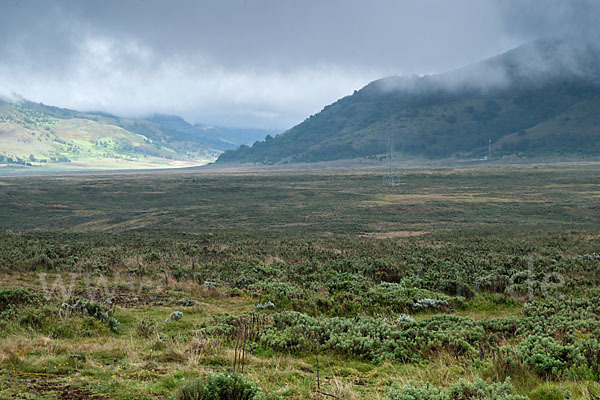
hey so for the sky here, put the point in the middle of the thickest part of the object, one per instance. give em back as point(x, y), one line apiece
point(253, 63)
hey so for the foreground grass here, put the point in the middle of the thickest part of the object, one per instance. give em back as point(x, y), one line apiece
point(100, 364)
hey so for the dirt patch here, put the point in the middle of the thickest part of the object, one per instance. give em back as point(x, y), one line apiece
point(60, 390)
point(394, 234)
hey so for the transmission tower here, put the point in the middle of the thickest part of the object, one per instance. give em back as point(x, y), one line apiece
point(390, 178)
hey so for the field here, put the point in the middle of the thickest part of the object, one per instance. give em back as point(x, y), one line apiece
point(453, 284)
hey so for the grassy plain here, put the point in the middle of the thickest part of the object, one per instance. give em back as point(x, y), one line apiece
point(507, 257)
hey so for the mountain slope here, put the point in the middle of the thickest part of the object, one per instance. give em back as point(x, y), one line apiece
point(544, 90)
point(218, 137)
point(34, 134)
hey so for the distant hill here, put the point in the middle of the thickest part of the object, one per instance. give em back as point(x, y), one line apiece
point(34, 134)
point(218, 137)
point(539, 99)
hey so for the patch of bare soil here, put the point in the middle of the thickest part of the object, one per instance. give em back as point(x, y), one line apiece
point(62, 391)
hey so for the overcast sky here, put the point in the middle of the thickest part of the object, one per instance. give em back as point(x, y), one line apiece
point(258, 63)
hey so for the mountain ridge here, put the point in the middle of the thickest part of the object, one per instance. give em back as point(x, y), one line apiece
point(455, 114)
point(35, 134)
point(222, 137)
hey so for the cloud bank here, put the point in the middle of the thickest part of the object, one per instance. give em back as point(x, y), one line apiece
point(262, 63)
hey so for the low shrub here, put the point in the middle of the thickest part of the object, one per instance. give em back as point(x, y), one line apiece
point(220, 387)
point(374, 339)
point(146, 328)
point(37, 319)
point(547, 356)
point(480, 390)
point(588, 367)
point(10, 298)
point(93, 309)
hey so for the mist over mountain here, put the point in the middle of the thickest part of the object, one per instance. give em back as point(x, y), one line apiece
point(542, 98)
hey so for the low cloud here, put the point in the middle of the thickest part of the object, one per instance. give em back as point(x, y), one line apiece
point(265, 63)
point(130, 78)
point(235, 62)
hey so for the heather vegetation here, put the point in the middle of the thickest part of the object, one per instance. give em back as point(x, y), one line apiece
point(291, 285)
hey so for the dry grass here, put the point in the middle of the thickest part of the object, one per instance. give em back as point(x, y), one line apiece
point(393, 234)
point(342, 389)
point(473, 197)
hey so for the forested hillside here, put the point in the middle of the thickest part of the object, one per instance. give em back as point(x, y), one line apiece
point(539, 99)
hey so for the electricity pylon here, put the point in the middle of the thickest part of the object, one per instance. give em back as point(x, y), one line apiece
point(390, 178)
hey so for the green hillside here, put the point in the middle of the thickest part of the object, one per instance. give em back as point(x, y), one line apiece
point(529, 102)
point(37, 135)
point(217, 137)
point(34, 134)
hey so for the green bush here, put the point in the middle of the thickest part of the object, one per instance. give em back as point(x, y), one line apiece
point(146, 328)
point(375, 339)
point(547, 356)
point(220, 387)
point(10, 298)
point(93, 309)
point(37, 319)
point(480, 390)
point(589, 366)
point(397, 298)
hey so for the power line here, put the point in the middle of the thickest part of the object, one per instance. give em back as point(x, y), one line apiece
point(390, 178)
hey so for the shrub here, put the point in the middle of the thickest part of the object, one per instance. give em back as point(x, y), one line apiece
point(397, 298)
point(146, 328)
point(404, 318)
point(269, 305)
point(589, 367)
point(545, 355)
point(91, 309)
point(480, 390)
point(455, 287)
point(174, 316)
point(494, 282)
point(374, 339)
point(286, 294)
point(429, 304)
point(220, 387)
point(37, 318)
point(10, 298)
